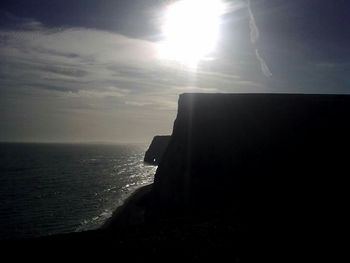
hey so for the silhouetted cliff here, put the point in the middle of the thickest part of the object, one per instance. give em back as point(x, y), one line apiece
point(156, 149)
point(271, 159)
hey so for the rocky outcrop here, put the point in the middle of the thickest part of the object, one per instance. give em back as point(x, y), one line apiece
point(156, 149)
point(275, 158)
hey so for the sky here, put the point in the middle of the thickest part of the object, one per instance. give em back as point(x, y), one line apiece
point(89, 70)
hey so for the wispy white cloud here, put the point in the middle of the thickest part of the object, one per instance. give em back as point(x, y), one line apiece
point(254, 37)
point(194, 89)
point(111, 92)
point(264, 68)
point(254, 31)
point(15, 22)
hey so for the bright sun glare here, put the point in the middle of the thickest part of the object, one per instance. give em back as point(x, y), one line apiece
point(191, 30)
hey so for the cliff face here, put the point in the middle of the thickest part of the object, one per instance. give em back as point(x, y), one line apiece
point(156, 150)
point(273, 155)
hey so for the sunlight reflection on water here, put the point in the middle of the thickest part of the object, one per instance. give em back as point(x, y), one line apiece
point(50, 189)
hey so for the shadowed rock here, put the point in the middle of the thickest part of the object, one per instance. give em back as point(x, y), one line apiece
point(273, 159)
point(156, 149)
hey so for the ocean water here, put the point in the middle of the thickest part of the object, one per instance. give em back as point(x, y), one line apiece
point(47, 189)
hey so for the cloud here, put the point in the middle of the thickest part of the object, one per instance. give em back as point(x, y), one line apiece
point(194, 89)
point(57, 81)
point(9, 20)
point(70, 60)
point(254, 31)
point(111, 92)
point(254, 37)
point(86, 63)
point(264, 68)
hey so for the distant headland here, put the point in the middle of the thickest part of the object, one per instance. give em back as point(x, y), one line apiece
point(156, 150)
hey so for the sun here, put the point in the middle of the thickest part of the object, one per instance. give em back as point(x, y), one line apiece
point(191, 30)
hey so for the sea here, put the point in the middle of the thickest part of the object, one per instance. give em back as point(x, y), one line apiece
point(48, 189)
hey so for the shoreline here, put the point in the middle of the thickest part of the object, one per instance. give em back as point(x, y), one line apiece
point(131, 212)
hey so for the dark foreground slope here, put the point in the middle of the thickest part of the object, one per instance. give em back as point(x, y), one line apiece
point(244, 175)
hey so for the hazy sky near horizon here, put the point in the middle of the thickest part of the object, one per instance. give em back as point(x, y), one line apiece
point(89, 70)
